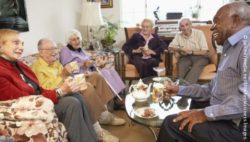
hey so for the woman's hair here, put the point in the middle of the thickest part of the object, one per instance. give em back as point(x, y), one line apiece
point(4, 33)
point(148, 21)
point(71, 33)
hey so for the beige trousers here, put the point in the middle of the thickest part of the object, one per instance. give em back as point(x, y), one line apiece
point(101, 87)
point(93, 102)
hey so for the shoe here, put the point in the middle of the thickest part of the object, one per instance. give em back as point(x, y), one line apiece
point(117, 121)
point(106, 136)
point(111, 119)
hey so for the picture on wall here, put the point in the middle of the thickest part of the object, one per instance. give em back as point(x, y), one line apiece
point(13, 15)
point(106, 3)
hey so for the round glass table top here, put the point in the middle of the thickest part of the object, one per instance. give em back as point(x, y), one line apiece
point(159, 110)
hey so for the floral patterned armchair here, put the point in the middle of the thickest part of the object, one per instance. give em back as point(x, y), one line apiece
point(31, 119)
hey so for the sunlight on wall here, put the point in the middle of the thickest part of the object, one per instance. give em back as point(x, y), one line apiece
point(134, 11)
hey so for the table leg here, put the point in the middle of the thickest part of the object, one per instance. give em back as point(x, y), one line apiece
point(153, 132)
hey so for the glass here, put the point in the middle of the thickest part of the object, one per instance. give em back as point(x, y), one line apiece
point(73, 67)
point(162, 108)
point(145, 49)
point(157, 93)
point(159, 70)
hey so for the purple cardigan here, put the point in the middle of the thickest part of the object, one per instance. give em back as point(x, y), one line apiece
point(67, 56)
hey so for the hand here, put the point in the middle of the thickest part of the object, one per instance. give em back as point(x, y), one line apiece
point(190, 118)
point(70, 85)
point(170, 89)
point(151, 52)
point(87, 74)
point(173, 49)
point(67, 70)
point(88, 63)
point(101, 62)
point(185, 51)
point(138, 50)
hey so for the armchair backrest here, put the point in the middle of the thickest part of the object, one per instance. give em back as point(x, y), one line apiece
point(208, 34)
point(131, 30)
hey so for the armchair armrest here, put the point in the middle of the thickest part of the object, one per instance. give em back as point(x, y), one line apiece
point(168, 62)
point(122, 53)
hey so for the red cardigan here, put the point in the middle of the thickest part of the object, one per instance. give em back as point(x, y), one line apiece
point(12, 85)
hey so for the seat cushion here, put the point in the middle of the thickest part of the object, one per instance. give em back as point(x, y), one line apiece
point(131, 72)
point(208, 72)
point(209, 68)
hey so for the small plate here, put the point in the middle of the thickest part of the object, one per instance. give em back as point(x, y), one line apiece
point(140, 112)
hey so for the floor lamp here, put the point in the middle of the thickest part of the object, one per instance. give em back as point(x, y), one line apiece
point(91, 17)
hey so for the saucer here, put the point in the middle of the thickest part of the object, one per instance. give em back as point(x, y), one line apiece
point(140, 112)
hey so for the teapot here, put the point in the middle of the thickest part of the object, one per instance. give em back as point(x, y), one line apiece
point(140, 91)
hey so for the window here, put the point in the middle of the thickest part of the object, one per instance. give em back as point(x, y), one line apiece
point(133, 11)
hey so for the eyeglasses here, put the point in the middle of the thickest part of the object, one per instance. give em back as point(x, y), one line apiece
point(50, 49)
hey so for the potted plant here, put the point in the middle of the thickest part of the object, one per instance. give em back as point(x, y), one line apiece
point(109, 32)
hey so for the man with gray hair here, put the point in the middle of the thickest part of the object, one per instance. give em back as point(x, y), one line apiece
point(190, 53)
point(190, 48)
point(228, 115)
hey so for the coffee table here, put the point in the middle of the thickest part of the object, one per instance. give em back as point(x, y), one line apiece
point(162, 109)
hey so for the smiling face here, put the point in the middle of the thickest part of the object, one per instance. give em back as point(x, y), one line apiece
point(222, 27)
point(48, 51)
point(147, 27)
point(185, 26)
point(11, 45)
point(75, 41)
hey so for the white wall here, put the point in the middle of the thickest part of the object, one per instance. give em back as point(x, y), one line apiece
point(114, 14)
point(53, 19)
point(49, 18)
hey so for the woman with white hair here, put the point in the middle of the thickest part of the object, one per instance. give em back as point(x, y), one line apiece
point(18, 80)
point(73, 52)
point(144, 49)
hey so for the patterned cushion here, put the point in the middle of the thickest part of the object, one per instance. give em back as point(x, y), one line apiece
point(30, 59)
point(101, 59)
point(31, 118)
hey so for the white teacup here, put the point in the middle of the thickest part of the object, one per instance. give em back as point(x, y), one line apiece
point(80, 79)
point(157, 93)
point(73, 67)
